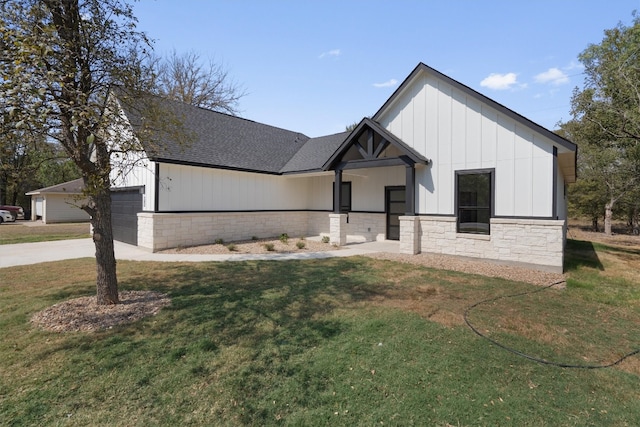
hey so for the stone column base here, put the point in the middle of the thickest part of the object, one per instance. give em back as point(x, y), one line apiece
point(409, 235)
point(338, 229)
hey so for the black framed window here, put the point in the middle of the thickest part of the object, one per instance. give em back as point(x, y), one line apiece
point(474, 201)
point(345, 197)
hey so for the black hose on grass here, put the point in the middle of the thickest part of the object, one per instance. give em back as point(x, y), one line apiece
point(527, 356)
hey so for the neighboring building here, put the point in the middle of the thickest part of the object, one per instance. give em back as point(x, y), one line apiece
point(58, 203)
point(439, 167)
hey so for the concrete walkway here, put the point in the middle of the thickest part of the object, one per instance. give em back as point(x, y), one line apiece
point(34, 253)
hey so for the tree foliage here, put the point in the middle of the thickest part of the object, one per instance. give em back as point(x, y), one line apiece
point(184, 77)
point(606, 118)
point(58, 60)
point(28, 162)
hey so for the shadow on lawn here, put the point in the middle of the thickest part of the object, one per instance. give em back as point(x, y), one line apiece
point(254, 302)
point(581, 253)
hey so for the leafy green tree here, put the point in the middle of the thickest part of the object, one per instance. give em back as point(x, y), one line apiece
point(28, 162)
point(631, 208)
point(58, 60)
point(16, 165)
point(588, 195)
point(606, 114)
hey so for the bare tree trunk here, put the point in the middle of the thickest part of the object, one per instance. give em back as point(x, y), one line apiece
point(608, 214)
point(106, 281)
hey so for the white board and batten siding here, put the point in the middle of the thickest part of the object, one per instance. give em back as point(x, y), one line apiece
point(368, 186)
point(188, 188)
point(459, 132)
point(135, 170)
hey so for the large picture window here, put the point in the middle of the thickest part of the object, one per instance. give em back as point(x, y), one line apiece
point(474, 201)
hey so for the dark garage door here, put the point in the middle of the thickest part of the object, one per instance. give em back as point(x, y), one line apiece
point(125, 206)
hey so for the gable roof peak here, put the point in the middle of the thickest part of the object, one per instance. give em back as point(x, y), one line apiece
point(423, 68)
point(369, 124)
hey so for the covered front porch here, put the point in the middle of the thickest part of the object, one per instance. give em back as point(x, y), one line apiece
point(369, 146)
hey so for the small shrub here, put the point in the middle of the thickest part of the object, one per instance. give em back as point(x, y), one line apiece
point(284, 238)
point(325, 239)
point(219, 242)
point(231, 247)
point(254, 238)
point(269, 247)
point(300, 244)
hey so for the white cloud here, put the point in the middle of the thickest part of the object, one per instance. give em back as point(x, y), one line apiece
point(553, 76)
point(388, 83)
point(573, 65)
point(334, 53)
point(500, 81)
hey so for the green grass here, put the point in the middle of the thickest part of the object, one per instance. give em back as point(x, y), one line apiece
point(324, 342)
point(20, 233)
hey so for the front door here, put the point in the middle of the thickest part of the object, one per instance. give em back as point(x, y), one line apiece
point(395, 207)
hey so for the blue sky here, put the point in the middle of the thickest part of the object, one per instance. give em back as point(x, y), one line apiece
point(318, 66)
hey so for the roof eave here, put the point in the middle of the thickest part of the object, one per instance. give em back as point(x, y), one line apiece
point(212, 166)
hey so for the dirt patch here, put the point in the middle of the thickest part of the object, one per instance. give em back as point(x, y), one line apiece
point(482, 267)
point(259, 246)
point(84, 314)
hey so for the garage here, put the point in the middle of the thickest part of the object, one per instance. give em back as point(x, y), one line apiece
point(59, 203)
point(125, 205)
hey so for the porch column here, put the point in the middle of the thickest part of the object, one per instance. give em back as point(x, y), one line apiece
point(410, 235)
point(33, 208)
point(337, 191)
point(410, 186)
point(338, 229)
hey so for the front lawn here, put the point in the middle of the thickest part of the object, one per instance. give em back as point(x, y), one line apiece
point(18, 232)
point(327, 342)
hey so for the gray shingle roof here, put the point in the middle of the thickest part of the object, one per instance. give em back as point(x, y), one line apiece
point(70, 187)
point(312, 155)
point(224, 141)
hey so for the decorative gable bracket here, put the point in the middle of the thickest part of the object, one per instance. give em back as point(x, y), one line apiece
point(367, 146)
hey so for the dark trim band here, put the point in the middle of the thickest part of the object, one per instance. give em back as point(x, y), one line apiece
point(156, 192)
point(207, 166)
point(554, 207)
point(245, 211)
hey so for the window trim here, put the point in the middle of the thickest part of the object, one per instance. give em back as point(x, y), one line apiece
point(491, 172)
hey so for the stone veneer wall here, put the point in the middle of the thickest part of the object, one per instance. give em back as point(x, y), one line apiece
point(366, 227)
point(536, 243)
point(317, 223)
point(158, 231)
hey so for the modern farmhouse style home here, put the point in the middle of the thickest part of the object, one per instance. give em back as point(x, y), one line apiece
point(440, 167)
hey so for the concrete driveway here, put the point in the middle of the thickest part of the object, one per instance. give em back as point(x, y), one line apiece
point(35, 253)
